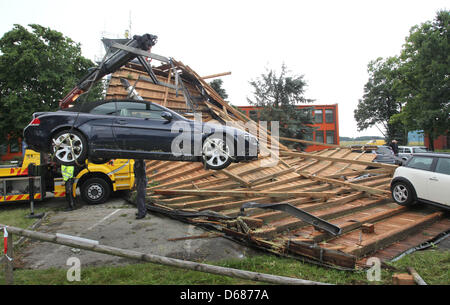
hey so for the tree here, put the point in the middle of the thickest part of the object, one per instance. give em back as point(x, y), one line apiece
point(278, 95)
point(381, 100)
point(37, 69)
point(217, 86)
point(424, 78)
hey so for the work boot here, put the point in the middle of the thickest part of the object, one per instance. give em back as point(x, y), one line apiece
point(140, 216)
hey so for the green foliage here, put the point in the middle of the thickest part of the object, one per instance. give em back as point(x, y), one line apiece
point(423, 77)
point(411, 91)
point(217, 86)
point(381, 99)
point(37, 69)
point(278, 95)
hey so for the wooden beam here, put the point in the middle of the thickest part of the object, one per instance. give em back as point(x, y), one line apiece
point(272, 176)
point(388, 237)
point(358, 187)
point(216, 75)
point(236, 178)
point(355, 224)
point(245, 194)
point(337, 160)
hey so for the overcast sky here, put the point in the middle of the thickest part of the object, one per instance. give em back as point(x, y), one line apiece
point(329, 42)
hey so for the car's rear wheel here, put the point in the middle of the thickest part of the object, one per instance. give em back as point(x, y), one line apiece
point(403, 193)
point(69, 147)
point(95, 190)
point(216, 153)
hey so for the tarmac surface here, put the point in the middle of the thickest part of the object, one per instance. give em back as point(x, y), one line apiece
point(114, 224)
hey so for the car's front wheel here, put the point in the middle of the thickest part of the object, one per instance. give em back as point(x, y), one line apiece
point(216, 153)
point(69, 147)
point(403, 193)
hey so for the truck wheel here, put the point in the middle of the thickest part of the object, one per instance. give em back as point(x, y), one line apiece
point(65, 153)
point(95, 190)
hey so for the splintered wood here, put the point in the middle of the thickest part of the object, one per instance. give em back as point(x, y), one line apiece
point(336, 184)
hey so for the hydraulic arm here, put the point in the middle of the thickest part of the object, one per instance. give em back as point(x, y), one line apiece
point(110, 65)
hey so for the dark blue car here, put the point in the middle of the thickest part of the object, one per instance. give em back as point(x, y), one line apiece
point(103, 130)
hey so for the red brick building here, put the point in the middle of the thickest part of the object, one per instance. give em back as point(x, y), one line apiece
point(442, 142)
point(325, 120)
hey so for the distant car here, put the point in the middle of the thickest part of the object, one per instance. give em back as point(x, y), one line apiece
point(405, 152)
point(103, 130)
point(384, 154)
point(425, 178)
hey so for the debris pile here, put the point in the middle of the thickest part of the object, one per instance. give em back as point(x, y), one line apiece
point(334, 185)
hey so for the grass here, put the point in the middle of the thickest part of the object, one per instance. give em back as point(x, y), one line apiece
point(432, 265)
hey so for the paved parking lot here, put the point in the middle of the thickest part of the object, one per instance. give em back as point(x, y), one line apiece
point(114, 224)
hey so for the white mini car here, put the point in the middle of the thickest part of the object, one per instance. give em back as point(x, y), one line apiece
point(425, 178)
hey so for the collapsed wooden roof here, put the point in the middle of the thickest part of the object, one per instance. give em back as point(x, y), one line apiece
point(333, 184)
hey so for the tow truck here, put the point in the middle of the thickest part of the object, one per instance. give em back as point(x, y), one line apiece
point(96, 182)
point(97, 179)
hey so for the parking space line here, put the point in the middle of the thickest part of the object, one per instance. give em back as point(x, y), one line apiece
point(78, 235)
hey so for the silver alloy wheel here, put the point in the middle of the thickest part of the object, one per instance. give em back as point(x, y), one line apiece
point(95, 191)
point(63, 150)
point(216, 152)
point(400, 193)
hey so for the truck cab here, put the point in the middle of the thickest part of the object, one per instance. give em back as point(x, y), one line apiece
point(95, 181)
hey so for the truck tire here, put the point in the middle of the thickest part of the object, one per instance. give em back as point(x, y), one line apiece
point(95, 190)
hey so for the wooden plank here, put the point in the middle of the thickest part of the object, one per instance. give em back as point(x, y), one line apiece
point(244, 193)
point(271, 176)
point(362, 188)
point(386, 238)
point(235, 177)
point(353, 225)
point(338, 160)
point(324, 255)
point(216, 75)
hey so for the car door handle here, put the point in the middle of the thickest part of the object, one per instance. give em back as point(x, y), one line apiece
point(434, 179)
point(122, 122)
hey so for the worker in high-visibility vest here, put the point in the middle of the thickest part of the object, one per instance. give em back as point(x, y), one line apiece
point(68, 173)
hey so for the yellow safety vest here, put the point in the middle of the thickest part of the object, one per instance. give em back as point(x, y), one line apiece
point(67, 172)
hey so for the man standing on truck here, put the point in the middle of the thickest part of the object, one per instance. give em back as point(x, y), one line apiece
point(68, 174)
point(141, 185)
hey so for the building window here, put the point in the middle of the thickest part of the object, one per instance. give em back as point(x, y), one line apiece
point(253, 115)
point(319, 136)
point(329, 116)
point(309, 136)
point(330, 137)
point(318, 116)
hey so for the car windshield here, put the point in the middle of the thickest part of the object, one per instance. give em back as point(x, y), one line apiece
point(419, 150)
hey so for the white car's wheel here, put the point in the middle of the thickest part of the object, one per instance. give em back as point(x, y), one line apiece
point(216, 153)
point(403, 193)
point(69, 147)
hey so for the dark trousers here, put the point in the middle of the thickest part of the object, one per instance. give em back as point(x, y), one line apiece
point(141, 186)
point(69, 193)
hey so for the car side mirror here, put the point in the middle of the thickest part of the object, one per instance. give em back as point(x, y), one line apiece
point(167, 115)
